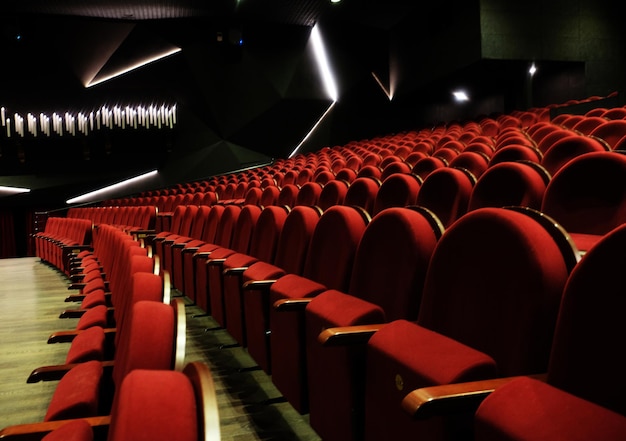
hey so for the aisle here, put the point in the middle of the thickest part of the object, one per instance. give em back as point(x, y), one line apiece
point(32, 296)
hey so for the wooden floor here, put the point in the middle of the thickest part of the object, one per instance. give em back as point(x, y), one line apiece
point(31, 297)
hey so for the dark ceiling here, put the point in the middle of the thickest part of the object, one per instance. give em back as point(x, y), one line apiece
point(295, 12)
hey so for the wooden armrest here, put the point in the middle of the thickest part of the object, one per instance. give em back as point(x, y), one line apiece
point(446, 399)
point(234, 271)
point(68, 336)
point(190, 249)
point(202, 255)
point(78, 313)
point(36, 431)
point(348, 335)
point(56, 372)
point(216, 261)
point(179, 245)
point(81, 297)
point(287, 305)
point(257, 284)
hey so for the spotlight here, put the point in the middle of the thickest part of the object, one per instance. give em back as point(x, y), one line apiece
point(460, 96)
point(532, 70)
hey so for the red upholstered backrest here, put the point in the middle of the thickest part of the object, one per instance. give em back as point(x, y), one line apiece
point(266, 233)
point(495, 284)
point(509, 183)
point(150, 341)
point(227, 225)
point(333, 193)
point(295, 237)
point(568, 148)
point(392, 258)
point(611, 131)
point(362, 193)
point(425, 166)
point(288, 195)
point(333, 246)
point(199, 221)
point(212, 223)
point(475, 162)
point(588, 195)
point(309, 193)
point(446, 192)
point(398, 190)
point(270, 195)
point(516, 152)
point(156, 406)
point(246, 223)
point(177, 218)
point(587, 357)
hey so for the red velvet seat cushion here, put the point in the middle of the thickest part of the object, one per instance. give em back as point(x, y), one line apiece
point(527, 409)
point(77, 394)
point(94, 298)
point(96, 316)
point(87, 345)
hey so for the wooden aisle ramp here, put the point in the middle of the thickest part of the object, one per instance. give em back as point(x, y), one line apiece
point(32, 295)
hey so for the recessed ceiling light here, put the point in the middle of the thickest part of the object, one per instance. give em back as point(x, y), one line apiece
point(460, 95)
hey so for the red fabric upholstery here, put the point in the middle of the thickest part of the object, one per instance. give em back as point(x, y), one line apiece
point(398, 190)
point(530, 410)
point(386, 284)
point(494, 284)
point(88, 345)
point(362, 193)
point(568, 148)
point(509, 183)
point(588, 195)
point(96, 316)
point(154, 405)
point(77, 394)
point(446, 192)
point(328, 266)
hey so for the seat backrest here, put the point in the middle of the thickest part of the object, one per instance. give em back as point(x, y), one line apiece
point(155, 339)
point(495, 283)
point(212, 223)
point(588, 194)
point(362, 193)
point(425, 166)
point(269, 196)
point(446, 192)
point(510, 183)
point(586, 360)
point(295, 238)
point(516, 152)
point(333, 246)
point(333, 193)
point(266, 234)
point(244, 229)
point(610, 132)
point(475, 162)
point(164, 405)
point(309, 193)
point(392, 258)
point(227, 225)
point(288, 195)
point(398, 190)
point(566, 149)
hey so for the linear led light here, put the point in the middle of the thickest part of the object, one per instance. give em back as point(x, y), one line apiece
point(312, 129)
point(322, 62)
point(380, 83)
point(92, 196)
point(134, 66)
point(327, 78)
point(13, 190)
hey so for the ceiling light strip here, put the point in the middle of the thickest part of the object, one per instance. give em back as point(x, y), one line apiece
point(95, 195)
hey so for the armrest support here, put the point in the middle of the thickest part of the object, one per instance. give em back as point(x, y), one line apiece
point(348, 335)
point(446, 399)
point(287, 305)
point(190, 250)
point(36, 431)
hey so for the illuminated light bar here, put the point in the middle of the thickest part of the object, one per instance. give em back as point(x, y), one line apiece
point(532, 70)
point(13, 190)
point(322, 62)
point(327, 78)
point(387, 92)
point(313, 129)
point(133, 67)
point(92, 196)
